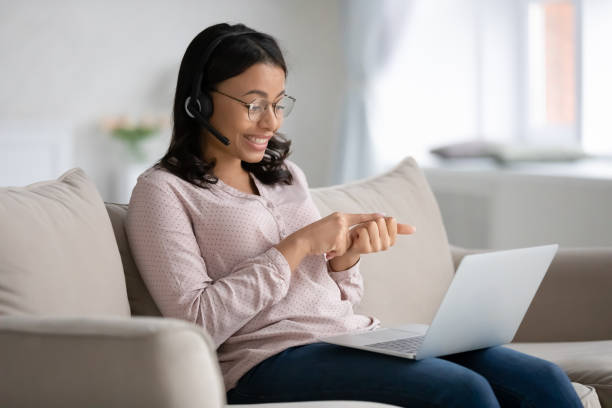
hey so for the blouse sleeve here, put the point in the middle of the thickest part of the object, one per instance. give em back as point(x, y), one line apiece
point(169, 259)
point(349, 281)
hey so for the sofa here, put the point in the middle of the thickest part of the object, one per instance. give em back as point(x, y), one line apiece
point(78, 327)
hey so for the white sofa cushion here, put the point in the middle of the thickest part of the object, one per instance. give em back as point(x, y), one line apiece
point(407, 282)
point(587, 362)
point(316, 404)
point(587, 395)
point(141, 302)
point(58, 252)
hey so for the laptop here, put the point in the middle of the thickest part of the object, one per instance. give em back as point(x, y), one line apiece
point(483, 307)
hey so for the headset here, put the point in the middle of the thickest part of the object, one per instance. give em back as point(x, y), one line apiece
point(199, 105)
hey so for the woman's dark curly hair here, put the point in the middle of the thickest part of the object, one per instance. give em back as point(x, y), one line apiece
point(233, 56)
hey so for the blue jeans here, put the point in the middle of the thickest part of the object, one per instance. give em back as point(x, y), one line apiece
point(492, 377)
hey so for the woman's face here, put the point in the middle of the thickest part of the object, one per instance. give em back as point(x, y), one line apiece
point(248, 139)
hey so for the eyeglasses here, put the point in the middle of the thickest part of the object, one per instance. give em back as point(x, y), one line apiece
point(256, 109)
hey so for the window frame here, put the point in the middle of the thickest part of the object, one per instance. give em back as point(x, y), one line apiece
point(556, 135)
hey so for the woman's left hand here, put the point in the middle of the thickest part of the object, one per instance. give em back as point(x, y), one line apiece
point(371, 236)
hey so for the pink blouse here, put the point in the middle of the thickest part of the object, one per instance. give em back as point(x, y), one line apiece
point(207, 256)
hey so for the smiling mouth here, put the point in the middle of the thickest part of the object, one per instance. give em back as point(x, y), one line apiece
point(257, 140)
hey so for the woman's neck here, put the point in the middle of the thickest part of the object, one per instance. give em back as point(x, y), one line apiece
point(232, 174)
point(227, 167)
point(229, 170)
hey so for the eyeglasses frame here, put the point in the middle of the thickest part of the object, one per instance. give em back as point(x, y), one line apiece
point(248, 105)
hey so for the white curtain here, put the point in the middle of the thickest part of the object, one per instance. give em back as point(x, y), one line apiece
point(371, 32)
point(442, 84)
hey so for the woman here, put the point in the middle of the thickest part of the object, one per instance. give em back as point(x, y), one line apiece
point(225, 235)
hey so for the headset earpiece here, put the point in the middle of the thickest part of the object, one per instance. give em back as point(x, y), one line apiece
point(203, 105)
point(194, 110)
point(207, 105)
point(199, 105)
point(191, 108)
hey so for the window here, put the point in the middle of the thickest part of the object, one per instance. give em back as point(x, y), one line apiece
point(531, 71)
point(552, 68)
point(596, 66)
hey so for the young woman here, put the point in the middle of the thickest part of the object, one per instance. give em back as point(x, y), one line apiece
point(225, 235)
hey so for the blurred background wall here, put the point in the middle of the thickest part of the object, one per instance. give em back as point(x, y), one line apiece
point(69, 64)
point(375, 81)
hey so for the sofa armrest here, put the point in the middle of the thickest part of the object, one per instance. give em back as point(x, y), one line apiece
point(573, 302)
point(107, 362)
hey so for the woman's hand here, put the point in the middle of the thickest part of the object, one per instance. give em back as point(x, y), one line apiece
point(331, 234)
point(370, 236)
point(334, 237)
point(327, 235)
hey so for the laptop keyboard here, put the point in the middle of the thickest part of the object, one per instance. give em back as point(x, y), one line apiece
point(407, 345)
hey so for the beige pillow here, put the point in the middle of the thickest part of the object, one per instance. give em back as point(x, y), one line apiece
point(141, 301)
point(406, 283)
point(58, 254)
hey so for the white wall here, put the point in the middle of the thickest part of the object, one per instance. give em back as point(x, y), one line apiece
point(74, 62)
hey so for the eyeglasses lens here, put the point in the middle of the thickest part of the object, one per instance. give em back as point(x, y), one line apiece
point(281, 109)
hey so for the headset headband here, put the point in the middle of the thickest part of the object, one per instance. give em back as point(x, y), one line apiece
point(197, 85)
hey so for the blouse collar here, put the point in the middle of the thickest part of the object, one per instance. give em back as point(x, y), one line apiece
point(234, 191)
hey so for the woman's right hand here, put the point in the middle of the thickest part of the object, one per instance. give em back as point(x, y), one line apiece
point(331, 233)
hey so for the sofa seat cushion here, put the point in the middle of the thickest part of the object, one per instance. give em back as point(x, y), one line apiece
point(58, 251)
point(585, 362)
point(315, 404)
point(407, 282)
point(587, 395)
